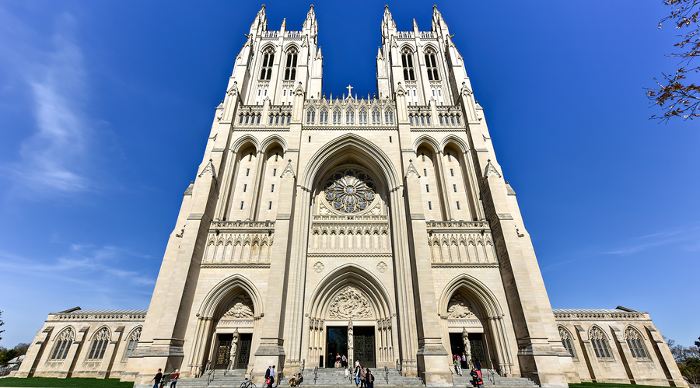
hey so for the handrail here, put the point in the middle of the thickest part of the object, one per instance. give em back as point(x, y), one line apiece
point(386, 374)
point(492, 376)
point(315, 374)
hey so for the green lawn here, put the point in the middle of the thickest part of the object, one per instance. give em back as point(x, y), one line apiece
point(72, 383)
point(611, 385)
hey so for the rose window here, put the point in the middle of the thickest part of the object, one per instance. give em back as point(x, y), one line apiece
point(350, 191)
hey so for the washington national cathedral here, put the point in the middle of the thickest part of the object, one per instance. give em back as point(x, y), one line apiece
point(379, 228)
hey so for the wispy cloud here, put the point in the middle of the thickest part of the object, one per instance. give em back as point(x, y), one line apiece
point(686, 237)
point(55, 157)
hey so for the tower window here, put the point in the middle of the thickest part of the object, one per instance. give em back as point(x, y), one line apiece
point(241, 205)
point(407, 63)
point(245, 187)
point(323, 116)
point(247, 171)
point(274, 172)
point(430, 205)
point(290, 69)
point(427, 188)
point(431, 65)
point(310, 116)
point(458, 208)
point(425, 172)
point(350, 117)
point(272, 189)
point(268, 59)
point(454, 187)
point(269, 205)
point(452, 172)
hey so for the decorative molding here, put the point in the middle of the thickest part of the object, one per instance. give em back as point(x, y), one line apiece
point(350, 303)
point(318, 267)
point(491, 170)
point(382, 267)
point(288, 170)
point(208, 169)
point(412, 170)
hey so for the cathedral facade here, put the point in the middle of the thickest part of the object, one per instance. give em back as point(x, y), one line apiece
point(379, 228)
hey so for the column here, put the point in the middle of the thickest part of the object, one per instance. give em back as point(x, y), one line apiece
point(34, 353)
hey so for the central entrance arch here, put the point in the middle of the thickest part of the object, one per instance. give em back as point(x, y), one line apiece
point(350, 314)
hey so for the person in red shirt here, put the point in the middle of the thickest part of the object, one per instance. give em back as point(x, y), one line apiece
point(174, 377)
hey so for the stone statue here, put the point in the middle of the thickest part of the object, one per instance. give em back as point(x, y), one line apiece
point(467, 347)
point(234, 349)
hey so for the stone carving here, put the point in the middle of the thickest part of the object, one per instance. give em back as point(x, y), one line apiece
point(459, 308)
point(318, 267)
point(411, 170)
point(288, 170)
point(381, 266)
point(490, 170)
point(241, 309)
point(350, 190)
point(350, 303)
point(234, 349)
point(208, 169)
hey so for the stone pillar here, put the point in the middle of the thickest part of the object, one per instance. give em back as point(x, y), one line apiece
point(351, 349)
point(34, 353)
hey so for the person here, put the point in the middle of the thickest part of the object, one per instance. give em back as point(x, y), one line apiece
point(363, 377)
point(456, 365)
point(268, 374)
point(357, 373)
point(157, 378)
point(347, 373)
point(273, 375)
point(337, 360)
point(477, 364)
point(174, 377)
point(344, 361)
point(369, 379)
point(477, 380)
point(296, 380)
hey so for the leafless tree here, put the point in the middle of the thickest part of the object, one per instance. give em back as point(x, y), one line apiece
point(677, 94)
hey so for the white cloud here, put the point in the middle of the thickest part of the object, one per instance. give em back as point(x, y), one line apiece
point(54, 159)
point(654, 240)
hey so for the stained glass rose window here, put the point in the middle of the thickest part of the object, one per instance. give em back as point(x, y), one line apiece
point(350, 190)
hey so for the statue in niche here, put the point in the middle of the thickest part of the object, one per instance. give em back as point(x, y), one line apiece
point(459, 308)
point(234, 349)
point(467, 348)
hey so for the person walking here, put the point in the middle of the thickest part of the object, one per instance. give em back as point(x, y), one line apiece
point(358, 367)
point(273, 376)
point(363, 377)
point(477, 379)
point(174, 377)
point(268, 373)
point(157, 378)
point(344, 361)
point(369, 379)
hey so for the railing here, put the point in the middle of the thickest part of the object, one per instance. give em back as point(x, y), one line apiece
point(386, 374)
point(398, 366)
point(315, 374)
point(492, 376)
point(210, 376)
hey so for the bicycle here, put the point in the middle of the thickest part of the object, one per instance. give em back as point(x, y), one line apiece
point(248, 384)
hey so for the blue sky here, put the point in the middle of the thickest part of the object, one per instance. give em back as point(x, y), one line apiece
point(105, 108)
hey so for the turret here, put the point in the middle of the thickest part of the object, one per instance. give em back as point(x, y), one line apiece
point(260, 23)
point(388, 24)
point(438, 23)
point(310, 25)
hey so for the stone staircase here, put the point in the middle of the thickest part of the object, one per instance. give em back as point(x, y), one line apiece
point(217, 379)
point(493, 380)
point(336, 377)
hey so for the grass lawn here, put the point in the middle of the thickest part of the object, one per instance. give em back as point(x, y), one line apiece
point(49, 382)
point(611, 385)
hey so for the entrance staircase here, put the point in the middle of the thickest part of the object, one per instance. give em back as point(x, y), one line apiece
point(216, 378)
point(332, 377)
point(493, 380)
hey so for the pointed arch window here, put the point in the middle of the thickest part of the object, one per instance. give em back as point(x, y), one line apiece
point(99, 344)
point(567, 340)
point(350, 116)
point(431, 65)
point(310, 116)
point(268, 59)
point(290, 68)
point(388, 116)
point(362, 116)
point(600, 343)
point(407, 62)
point(376, 116)
point(336, 117)
point(133, 342)
point(323, 116)
point(635, 341)
point(62, 344)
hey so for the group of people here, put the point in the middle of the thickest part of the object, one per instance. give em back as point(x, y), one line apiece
point(475, 373)
point(363, 376)
point(270, 376)
point(341, 361)
point(159, 380)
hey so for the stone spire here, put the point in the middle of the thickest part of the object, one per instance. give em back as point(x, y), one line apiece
point(388, 24)
point(260, 23)
point(438, 22)
point(310, 23)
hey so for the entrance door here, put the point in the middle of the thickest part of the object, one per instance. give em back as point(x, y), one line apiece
point(363, 345)
point(457, 348)
point(223, 350)
point(243, 350)
point(479, 349)
point(336, 343)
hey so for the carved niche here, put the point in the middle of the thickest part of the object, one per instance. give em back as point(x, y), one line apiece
point(241, 308)
point(350, 303)
point(460, 308)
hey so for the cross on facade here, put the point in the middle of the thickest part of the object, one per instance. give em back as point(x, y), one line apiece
point(349, 88)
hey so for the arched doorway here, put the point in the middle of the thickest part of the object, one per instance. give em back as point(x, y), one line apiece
point(474, 328)
point(227, 327)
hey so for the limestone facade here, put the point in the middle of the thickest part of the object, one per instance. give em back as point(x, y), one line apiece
point(380, 227)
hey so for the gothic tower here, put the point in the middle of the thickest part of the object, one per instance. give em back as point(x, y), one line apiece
point(381, 228)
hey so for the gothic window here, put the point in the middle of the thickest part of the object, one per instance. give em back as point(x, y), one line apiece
point(268, 59)
point(62, 345)
point(407, 63)
point(350, 116)
point(389, 116)
point(635, 341)
point(133, 341)
point(290, 69)
point(376, 116)
point(350, 190)
point(600, 344)
point(431, 65)
point(363, 116)
point(567, 341)
point(323, 116)
point(99, 344)
point(336, 117)
point(310, 116)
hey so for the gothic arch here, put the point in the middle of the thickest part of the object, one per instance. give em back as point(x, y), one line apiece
point(244, 140)
point(218, 295)
point(350, 146)
point(357, 277)
point(407, 47)
point(452, 139)
point(483, 295)
point(271, 140)
point(428, 47)
point(290, 46)
point(429, 141)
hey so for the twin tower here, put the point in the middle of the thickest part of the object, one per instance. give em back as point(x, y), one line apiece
point(380, 228)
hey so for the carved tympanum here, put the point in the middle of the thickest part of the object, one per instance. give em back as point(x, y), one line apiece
point(350, 303)
point(459, 308)
point(241, 308)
